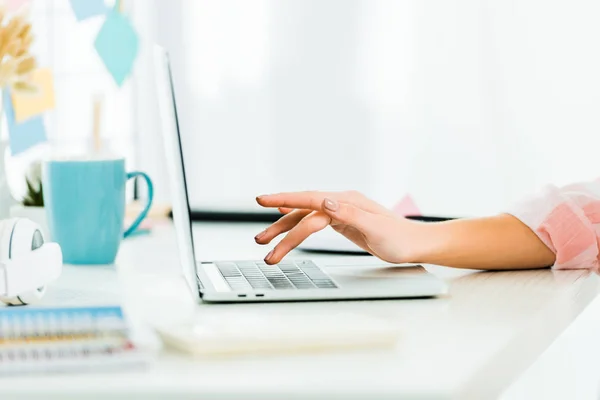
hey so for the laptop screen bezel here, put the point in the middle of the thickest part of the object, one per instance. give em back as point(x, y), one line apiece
point(174, 151)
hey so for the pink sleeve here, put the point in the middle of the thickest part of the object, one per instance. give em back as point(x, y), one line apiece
point(567, 220)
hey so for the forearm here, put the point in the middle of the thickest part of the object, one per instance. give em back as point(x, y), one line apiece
point(500, 242)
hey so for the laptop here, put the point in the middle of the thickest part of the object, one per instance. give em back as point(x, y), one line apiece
point(253, 281)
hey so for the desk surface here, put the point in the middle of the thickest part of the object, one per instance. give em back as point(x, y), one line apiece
point(470, 344)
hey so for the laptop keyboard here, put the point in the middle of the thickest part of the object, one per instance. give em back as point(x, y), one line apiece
point(244, 275)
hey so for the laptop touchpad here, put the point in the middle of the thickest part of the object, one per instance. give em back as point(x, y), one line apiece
point(385, 274)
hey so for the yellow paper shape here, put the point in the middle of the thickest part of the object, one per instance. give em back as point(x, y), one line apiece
point(27, 105)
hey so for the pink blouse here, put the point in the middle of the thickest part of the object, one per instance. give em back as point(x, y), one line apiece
point(567, 220)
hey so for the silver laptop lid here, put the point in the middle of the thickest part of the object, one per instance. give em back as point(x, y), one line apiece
point(175, 165)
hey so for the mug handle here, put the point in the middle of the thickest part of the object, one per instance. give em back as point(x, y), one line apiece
point(144, 212)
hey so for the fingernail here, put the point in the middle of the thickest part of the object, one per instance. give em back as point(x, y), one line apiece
point(268, 257)
point(260, 235)
point(331, 205)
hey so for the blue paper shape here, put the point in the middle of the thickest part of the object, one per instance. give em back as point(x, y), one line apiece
point(117, 44)
point(85, 9)
point(22, 135)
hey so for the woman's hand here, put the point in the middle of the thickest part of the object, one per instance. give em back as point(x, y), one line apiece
point(500, 242)
point(368, 224)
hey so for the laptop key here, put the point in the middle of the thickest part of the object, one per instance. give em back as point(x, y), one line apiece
point(305, 287)
point(287, 266)
point(326, 285)
point(228, 269)
point(282, 285)
point(302, 284)
point(280, 282)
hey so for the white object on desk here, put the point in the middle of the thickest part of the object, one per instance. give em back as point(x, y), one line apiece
point(264, 332)
point(27, 263)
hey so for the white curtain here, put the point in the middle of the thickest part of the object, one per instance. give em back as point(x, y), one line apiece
point(466, 105)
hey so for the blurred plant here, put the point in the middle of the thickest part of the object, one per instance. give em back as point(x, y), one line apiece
point(35, 195)
point(16, 63)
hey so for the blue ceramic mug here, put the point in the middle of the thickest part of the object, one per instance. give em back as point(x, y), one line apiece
point(85, 207)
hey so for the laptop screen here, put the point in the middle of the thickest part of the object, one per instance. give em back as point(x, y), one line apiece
point(175, 166)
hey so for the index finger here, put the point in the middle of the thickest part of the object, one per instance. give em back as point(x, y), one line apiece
point(313, 200)
point(301, 200)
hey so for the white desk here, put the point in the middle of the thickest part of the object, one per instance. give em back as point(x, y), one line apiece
point(470, 345)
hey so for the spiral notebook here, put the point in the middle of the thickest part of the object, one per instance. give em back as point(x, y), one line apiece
point(66, 339)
